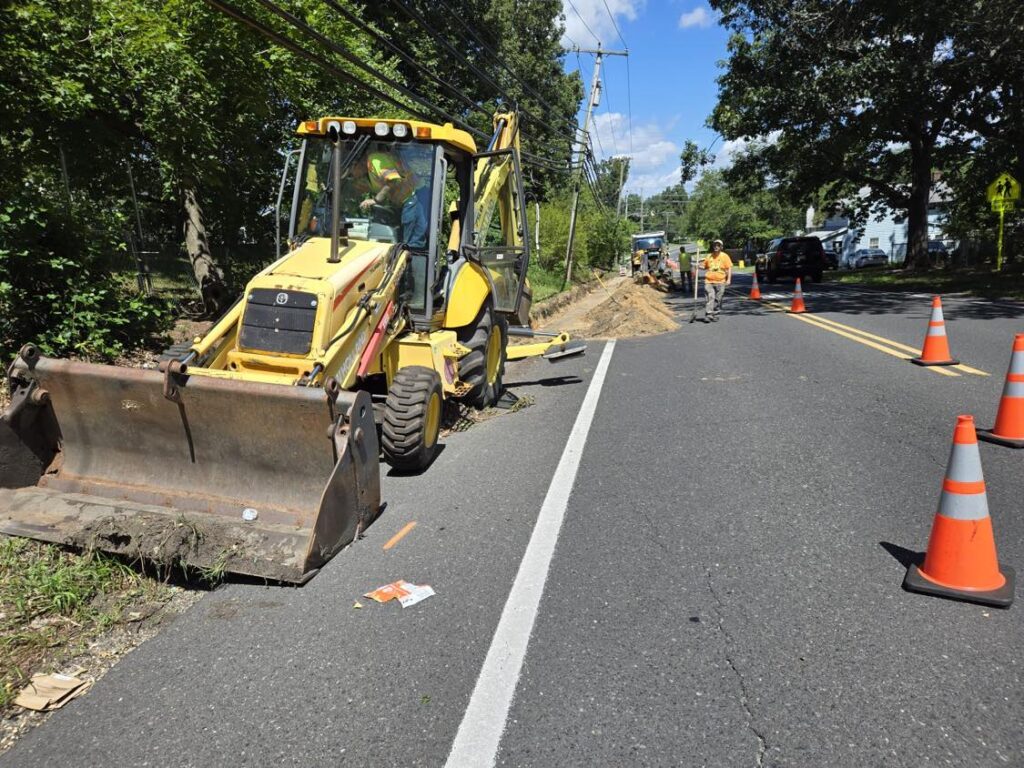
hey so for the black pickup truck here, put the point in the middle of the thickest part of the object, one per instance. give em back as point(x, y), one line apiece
point(802, 257)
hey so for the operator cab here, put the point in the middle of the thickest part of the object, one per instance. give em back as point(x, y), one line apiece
point(407, 182)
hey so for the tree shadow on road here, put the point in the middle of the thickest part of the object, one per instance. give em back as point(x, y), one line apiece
point(855, 300)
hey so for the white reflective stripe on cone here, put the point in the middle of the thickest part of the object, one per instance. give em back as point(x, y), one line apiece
point(964, 506)
point(1016, 364)
point(1013, 389)
point(936, 330)
point(965, 464)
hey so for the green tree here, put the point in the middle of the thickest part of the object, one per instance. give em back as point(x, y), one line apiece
point(192, 108)
point(867, 98)
point(612, 175)
point(716, 210)
point(691, 160)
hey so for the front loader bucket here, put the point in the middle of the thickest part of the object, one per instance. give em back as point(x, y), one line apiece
point(258, 479)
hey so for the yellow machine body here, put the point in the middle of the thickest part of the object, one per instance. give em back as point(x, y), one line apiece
point(257, 452)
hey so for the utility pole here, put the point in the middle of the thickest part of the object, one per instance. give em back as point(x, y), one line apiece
point(641, 209)
point(618, 200)
point(592, 101)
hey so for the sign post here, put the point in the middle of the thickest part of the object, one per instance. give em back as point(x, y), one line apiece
point(1003, 194)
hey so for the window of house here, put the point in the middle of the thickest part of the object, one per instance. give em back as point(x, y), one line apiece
point(874, 242)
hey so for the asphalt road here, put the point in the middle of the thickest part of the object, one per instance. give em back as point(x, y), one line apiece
point(725, 589)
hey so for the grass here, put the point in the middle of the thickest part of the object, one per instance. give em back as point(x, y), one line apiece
point(545, 282)
point(976, 282)
point(53, 601)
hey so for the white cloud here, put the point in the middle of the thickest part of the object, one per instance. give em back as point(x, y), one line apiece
point(596, 18)
point(699, 17)
point(653, 183)
point(655, 157)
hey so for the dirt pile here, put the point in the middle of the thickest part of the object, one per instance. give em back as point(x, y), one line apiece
point(632, 310)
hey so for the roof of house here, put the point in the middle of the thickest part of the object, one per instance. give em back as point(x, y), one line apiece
point(827, 234)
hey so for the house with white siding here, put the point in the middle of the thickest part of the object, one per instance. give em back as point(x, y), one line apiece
point(889, 234)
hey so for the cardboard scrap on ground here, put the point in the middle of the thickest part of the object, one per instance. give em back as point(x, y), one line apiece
point(49, 692)
point(407, 594)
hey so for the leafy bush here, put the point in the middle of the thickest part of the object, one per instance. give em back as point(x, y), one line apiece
point(57, 283)
point(600, 237)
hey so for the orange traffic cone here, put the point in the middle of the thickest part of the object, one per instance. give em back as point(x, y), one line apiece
point(935, 350)
point(798, 300)
point(961, 559)
point(1009, 428)
point(755, 290)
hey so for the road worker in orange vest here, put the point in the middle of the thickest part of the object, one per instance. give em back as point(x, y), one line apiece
point(717, 268)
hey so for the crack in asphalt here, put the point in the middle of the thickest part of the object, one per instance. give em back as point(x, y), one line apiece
point(762, 743)
point(653, 533)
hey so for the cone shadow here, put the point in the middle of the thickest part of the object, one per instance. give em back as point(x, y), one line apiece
point(906, 557)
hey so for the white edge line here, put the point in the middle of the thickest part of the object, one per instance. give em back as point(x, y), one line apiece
point(479, 735)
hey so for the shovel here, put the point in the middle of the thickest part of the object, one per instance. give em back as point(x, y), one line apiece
point(696, 276)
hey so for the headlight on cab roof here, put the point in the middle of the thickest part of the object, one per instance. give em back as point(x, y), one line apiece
point(400, 130)
point(381, 129)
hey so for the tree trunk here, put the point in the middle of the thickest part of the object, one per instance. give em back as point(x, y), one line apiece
point(917, 213)
point(209, 277)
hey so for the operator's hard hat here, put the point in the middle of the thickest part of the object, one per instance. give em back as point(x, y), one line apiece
point(717, 242)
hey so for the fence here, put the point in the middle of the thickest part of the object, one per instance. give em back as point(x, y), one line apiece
point(164, 269)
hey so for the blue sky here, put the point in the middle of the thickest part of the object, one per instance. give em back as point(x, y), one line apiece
point(674, 47)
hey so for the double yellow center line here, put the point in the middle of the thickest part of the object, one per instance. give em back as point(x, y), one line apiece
point(881, 343)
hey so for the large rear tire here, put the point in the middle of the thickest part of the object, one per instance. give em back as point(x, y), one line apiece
point(484, 366)
point(412, 419)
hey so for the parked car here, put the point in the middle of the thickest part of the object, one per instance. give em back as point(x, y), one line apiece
point(831, 259)
point(868, 257)
point(792, 257)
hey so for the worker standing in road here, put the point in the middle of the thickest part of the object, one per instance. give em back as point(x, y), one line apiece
point(717, 268)
point(684, 269)
point(387, 181)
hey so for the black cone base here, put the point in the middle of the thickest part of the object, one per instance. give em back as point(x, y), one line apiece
point(1000, 598)
point(989, 437)
point(919, 361)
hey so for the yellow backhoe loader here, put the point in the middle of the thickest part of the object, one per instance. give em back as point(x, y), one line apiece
point(255, 449)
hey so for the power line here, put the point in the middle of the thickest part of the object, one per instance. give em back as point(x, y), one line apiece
point(608, 111)
point(499, 59)
point(580, 15)
point(418, 19)
point(301, 26)
point(629, 105)
point(617, 31)
point(597, 135)
point(362, 25)
point(608, 97)
point(291, 45)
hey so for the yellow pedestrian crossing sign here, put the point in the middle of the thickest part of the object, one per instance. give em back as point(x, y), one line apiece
point(1003, 192)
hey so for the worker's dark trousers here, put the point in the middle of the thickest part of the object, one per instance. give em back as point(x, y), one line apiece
point(714, 293)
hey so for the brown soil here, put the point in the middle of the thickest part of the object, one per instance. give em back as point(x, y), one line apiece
point(206, 547)
point(632, 309)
